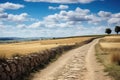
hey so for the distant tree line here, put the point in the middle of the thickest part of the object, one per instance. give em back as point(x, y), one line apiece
point(117, 30)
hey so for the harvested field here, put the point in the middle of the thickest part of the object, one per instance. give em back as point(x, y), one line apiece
point(64, 41)
point(114, 39)
point(10, 49)
point(35, 46)
point(109, 45)
point(110, 42)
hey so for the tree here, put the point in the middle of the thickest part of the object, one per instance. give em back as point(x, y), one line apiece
point(117, 29)
point(108, 31)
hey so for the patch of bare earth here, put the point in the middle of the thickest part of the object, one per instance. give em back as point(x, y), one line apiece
point(77, 64)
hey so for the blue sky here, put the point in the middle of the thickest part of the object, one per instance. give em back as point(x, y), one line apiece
point(57, 18)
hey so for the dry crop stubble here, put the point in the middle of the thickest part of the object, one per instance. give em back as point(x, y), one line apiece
point(28, 47)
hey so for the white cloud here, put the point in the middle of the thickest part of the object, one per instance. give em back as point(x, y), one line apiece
point(109, 17)
point(14, 18)
point(67, 19)
point(77, 15)
point(1, 26)
point(94, 19)
point(70, 16)
point(36, 25)
point(1, 22)
point(53, 8)
point(82, 30)
point(11, 17)
point(117, 15)
point(18, 18)
point(9, 5)
point(4, 26)
point(114, 21)
point(73, 18)
point(61, 7)
point(104, 14)
point(21, 26)
point(62, 1)
point(1, 10)
point(85, 1)
point(3, 15)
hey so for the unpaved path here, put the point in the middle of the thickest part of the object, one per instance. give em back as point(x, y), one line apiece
point(77, 64)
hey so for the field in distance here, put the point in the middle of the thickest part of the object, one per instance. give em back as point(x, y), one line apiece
point(110, 42)
point(35, 46)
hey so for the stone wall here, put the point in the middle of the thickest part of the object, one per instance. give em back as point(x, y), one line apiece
point(19, 67)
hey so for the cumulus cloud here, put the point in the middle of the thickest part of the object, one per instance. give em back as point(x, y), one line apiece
point(67, 19)
point(3, 15)
point(104, 14)
point(117, 15)
point(18, 18)
point(21, 26)
point(73, 18)
point(85, 1)
point(77, 15)
point(9, 5)
point(114, 21)
point(1, 10)
point(61, 7)
point(36, 25)
point(109, 17)
point(82, 30)
point(14, 18)
point(62, 1)
point(1, 25)
point(11, 17)
point(4, 26)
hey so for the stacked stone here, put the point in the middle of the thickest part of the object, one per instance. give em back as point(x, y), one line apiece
point(18, 67)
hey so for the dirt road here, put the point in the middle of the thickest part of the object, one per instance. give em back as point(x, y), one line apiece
point(77, 64)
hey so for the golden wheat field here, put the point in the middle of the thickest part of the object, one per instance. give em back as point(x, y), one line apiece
point(108, 49)
point(110, 45)
point(110, 42)
point(111, 39)
point(35, 46)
